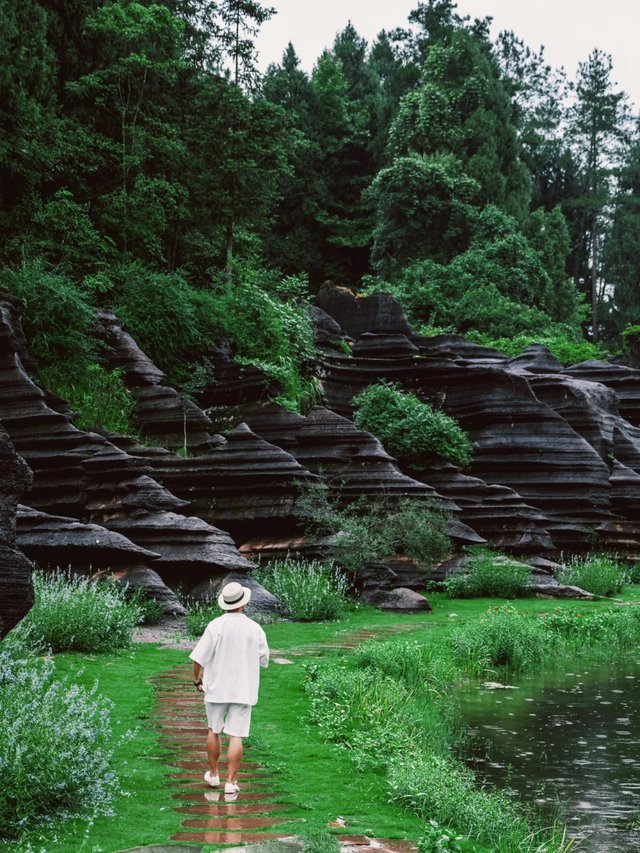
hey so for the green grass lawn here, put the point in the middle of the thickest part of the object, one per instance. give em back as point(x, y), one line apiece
point(316, 779)
point(145, 814)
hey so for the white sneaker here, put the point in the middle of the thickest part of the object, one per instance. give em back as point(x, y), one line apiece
point(211, 780)
point(231, 788)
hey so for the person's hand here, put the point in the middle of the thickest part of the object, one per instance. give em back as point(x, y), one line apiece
point(198, 685)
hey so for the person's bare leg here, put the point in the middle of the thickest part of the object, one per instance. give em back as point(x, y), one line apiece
point(213, 751)
point(234, 757)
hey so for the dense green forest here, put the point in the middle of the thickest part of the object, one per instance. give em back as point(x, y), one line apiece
point(146, 166)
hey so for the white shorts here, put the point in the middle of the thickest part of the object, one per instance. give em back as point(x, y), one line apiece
point(228, 717)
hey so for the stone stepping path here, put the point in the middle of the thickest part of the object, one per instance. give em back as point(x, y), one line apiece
point(351, 640)
point(248, 817)
point(210, 815)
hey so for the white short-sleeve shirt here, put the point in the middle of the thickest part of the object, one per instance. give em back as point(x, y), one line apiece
point(231, 652)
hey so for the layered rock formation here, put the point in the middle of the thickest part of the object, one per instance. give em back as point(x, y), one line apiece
point(53, 540)
point(16, 590)
point(352, 463)
point(82, 475)
point(556, 463)
point(623, 380)
point(247, 485)
point(160, 413)
point(555, 451)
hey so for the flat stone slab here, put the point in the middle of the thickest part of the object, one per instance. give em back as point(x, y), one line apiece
point(284, 846)
point(224, 837)
point(164, 848)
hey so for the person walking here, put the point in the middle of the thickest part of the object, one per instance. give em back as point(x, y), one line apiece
point(226, 669)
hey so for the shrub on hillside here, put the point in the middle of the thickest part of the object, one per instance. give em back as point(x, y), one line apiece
point(568, 349)
point(56, 315)
point(370, 531)
point(309, 591)
point(56, 747)
point(596, 573)
point(266, 317)
point(453, 298)
point(408, 427)
point(171, 321)
point(76, 614)
point(261, 314)
point(488, 574)
point(99, 399)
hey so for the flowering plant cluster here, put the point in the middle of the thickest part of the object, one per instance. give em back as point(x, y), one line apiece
point(76, 614)
point(56, 747)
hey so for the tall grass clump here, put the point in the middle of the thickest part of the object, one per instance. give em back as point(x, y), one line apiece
point(442, 788)
point(613, 630)
point(596, 573)
point(438, 839)
point(199, 614)
point(383, 699)
point(319, 841)
point(419, 667)
point(56, 747)
point(389, 705)
point(309, 591)
point(492, 575)
point(76, 614)
point(502, 638)
point(372, 715)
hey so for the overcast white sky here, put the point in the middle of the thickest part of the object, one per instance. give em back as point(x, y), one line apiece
point(569, 29)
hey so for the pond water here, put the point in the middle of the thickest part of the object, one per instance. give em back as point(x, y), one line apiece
point(569, 739)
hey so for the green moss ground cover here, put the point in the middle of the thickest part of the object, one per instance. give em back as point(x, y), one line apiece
point(317, 779)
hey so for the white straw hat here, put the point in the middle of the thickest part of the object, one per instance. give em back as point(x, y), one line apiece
point(234, 595)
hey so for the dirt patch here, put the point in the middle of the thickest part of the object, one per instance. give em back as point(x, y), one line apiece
point(169, 633)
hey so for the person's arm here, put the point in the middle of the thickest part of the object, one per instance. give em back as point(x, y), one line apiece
point(197, 676)
point(203, 652)
point(263, 648)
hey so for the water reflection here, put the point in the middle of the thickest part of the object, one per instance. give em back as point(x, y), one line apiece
point(570, 739)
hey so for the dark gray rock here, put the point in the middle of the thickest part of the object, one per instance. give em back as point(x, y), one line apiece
point(16, 590)
point(246, 485)
point(399, 600)
point(625, 381)
point(262, 601)
point(160, 412)
point(150, 582)
point(356, 315)
point(353, 463)
point(370, 345)
point(536, 359)
point(54, 540)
